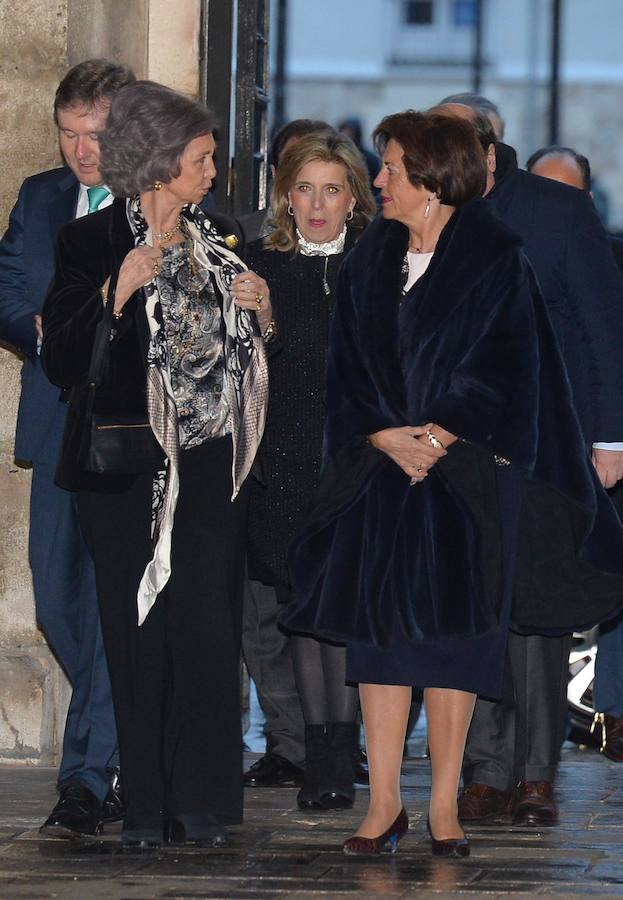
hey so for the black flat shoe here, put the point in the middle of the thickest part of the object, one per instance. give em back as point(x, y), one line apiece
point(272, 770)
point(453, 847)
point(201, 829)
point(141, 838)
point(77, 813)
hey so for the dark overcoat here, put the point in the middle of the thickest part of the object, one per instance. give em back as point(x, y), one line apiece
point(572, 258)
point(470, 348)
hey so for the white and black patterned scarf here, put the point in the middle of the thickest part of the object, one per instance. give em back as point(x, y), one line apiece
point(246, 384)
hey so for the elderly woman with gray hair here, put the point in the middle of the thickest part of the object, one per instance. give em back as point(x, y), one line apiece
point(158, 330)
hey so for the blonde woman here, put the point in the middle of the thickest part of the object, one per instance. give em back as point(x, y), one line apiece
point(321, 202)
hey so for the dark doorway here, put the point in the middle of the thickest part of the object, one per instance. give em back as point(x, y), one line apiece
point(235, 79)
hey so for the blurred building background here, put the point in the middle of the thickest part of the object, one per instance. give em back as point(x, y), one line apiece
point(368, 58)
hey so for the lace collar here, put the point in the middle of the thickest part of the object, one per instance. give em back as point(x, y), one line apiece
point(308, 248)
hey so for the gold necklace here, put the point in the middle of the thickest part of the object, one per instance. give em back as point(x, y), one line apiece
point(163, 236)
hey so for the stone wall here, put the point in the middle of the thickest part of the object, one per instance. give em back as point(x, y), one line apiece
point(32, 691)
point(39, 41)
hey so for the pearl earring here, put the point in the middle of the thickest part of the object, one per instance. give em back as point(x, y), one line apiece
point(427, 210)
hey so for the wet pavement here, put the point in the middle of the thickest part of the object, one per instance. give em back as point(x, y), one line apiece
point(282, 853)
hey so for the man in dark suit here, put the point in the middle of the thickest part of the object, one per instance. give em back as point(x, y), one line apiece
point(513, 745)
point(62, 570)
point(566, 165)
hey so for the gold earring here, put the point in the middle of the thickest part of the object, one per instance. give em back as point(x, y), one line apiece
point(290, 210)
point(157, 185)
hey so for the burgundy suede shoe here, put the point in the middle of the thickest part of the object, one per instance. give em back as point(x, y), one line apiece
point(482, 803)
point(535, 804)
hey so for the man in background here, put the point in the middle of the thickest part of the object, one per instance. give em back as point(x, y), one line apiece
point(513, 746)
point(62, 570)
point(570, 167)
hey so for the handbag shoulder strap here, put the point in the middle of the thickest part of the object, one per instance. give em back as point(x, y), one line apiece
point(102, 335)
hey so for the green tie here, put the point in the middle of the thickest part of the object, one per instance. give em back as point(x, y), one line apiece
point(96, 195)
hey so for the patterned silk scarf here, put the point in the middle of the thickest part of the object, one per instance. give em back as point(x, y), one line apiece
point(246, 384)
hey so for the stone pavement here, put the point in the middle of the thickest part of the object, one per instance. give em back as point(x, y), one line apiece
point(283, 853)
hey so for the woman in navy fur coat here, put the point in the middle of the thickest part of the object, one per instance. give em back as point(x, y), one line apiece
point(456, 487)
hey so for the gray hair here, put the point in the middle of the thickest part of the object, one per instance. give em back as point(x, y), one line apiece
point(480, 104)
point(149, 127)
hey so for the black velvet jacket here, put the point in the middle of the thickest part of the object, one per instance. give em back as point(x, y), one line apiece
point(88, 251)
point(472, 349)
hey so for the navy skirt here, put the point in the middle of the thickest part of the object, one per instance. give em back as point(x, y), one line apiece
point(473, 664)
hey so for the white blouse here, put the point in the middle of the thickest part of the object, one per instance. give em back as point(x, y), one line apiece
point(418, 264)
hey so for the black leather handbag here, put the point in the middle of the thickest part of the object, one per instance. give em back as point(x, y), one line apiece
point(115, 444)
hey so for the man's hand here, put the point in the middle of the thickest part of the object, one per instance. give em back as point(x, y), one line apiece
point(609, 466)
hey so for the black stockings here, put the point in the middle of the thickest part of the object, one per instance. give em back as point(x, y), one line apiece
point(320, 671)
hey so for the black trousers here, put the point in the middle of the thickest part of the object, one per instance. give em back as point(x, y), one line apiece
point(518, 738)
point(175, 679)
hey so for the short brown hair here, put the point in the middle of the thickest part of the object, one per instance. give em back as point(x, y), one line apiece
point(91, 83)
point(325, 146)
point(440, 153)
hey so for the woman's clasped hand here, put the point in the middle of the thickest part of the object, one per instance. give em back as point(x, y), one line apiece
point(411, 448)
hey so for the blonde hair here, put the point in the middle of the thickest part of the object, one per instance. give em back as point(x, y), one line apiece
point(321, 147)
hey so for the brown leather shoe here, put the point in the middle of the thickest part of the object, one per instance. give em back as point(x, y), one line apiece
point(482, 803)
point(535, 804)
point(611, 735)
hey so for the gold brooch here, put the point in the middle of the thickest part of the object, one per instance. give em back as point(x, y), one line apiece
point(231, 241)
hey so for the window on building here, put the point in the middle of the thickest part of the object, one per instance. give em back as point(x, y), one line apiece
point(419, 12)
point(464, 13)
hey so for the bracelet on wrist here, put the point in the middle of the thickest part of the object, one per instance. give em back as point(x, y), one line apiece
point(269, 332)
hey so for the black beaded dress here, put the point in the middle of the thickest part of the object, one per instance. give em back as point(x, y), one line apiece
point(288, 463)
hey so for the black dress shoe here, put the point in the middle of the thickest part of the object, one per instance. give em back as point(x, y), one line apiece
point(272, 770)
point(201, 829)
point(78, 812)
point(113, 807)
